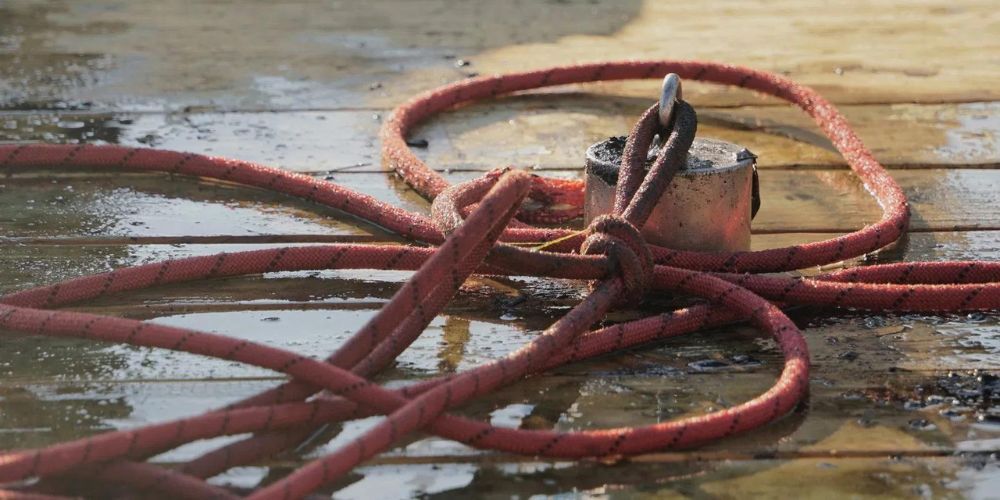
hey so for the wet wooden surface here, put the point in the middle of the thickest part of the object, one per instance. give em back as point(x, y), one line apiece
point(900, 405)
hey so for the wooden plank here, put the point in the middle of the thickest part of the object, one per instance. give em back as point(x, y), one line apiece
point(373, 53)
point(34, 264)
point(156, 206)
point(864, 414)
point(871, 478)
point(898, 358)
point(853, 478)
point(860, 478)
point(835, 201)
point(900, 135)
point(37, 415)
point(93, 408)
point(549, 131)
point(546, 131)
point(315, 332)
point(628, 389)
point(880, 383)
point(907, 59)
point(553, 132)
point(866, 402)
point(349, 55)
point(309, 299)
point(26, 265)
point(303, 141)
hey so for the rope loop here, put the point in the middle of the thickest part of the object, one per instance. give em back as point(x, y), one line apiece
point(622, 243)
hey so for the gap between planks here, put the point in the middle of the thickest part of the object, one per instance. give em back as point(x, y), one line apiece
point(194, 110)
point(861, 373)
point(369, 239)
point(661, 458)
point(199, 240)
point(368, 169)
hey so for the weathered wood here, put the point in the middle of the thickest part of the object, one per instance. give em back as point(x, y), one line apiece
point(917, 80)
point(859, 346)
point(862, 376)
point(812, 478)
point(865, 367)
point(547, 130)
point(157, 206)
point(308, 54)
point(27, 265)
point(552, 131)
point(850, 413)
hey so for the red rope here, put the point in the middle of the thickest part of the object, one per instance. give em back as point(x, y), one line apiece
point(611, 252)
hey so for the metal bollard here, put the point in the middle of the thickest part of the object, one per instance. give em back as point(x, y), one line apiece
point(708, 206)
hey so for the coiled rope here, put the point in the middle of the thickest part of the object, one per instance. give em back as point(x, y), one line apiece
point(473, 225)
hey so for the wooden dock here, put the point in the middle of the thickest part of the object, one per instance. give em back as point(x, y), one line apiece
point(901, 405)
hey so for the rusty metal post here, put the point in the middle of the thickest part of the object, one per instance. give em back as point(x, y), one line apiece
point(707, 207)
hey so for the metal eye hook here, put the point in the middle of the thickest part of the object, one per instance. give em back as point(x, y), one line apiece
point(670, 93)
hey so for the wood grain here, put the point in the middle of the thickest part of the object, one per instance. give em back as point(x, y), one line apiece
point(306, 84)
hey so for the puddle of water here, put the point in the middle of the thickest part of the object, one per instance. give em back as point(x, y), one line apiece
point(980, 482)
point(148, 206)
point(975, 339)
point(511, 416)
point(407, 481)
point(156, 206)
point(977, 134)
point(41, 414)
point(241, 477)
point(301, 141)
point(967, 245)
point(30, 265)
point(929, 342)
point(315, 332)
point(310, 332)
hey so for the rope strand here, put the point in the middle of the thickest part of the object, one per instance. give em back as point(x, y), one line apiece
point(474, 230)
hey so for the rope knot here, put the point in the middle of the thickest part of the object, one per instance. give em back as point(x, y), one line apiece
point(625, 247)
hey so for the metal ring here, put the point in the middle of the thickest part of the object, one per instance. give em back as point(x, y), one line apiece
point(669, 94)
